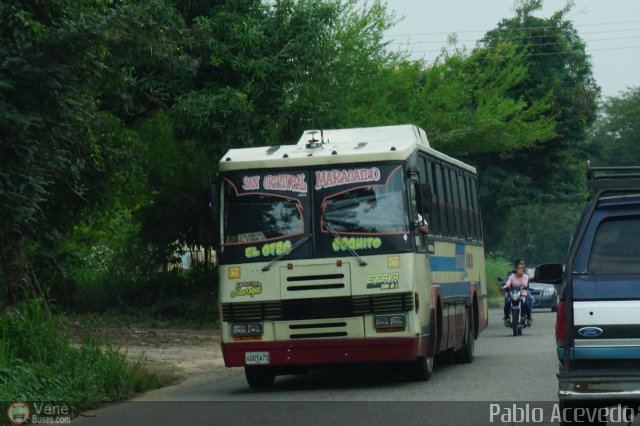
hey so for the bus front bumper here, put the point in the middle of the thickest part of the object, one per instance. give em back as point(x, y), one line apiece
point(321, 351)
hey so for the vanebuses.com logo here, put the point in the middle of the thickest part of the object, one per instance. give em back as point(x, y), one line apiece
point(18, 413)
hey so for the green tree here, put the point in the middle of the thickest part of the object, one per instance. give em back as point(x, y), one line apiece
point(615, 140)
point(541, 231)
point(464, 101)
point(57, 145)
point(471, 108)
point(73, 75)
point(251, 58)
point(356, 81)
point(559, 71)
point(114, 114)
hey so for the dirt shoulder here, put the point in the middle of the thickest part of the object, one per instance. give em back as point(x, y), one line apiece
point(175, 354)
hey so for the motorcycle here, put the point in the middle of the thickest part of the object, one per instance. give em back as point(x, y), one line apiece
point(517, 315)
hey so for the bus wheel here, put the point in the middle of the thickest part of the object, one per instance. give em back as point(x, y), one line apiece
point(465, 355)
point(421, 369)
point(259, 377)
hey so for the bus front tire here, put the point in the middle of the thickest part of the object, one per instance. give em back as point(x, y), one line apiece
point(259, 377)
point(421, 369)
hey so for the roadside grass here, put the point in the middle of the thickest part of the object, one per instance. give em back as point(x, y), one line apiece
point(38, 363)
point(496, 267)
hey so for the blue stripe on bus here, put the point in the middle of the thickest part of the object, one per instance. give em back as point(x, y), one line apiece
point(444, 264)
point(462, 288)
point(460, 257)
point(448, 263)
point(621, 352)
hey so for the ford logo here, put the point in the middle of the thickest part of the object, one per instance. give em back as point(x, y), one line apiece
point(590, 331)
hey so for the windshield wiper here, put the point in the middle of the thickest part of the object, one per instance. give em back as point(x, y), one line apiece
point(361, 262)
point(298, 243)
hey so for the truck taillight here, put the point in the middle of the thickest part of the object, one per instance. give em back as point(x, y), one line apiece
point(560, 317)
point(417, 300)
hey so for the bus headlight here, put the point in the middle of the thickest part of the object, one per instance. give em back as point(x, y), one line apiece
point(247, 329)
point(391, 320)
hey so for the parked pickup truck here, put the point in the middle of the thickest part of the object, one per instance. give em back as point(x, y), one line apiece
point(598, 317)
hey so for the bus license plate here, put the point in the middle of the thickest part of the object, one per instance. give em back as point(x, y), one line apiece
point(256, 358)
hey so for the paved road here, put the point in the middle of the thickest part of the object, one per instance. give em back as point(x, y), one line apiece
point(507, 370)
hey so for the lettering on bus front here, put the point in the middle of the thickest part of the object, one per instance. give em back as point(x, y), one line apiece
point(248, 288)
point(356, 243)
point(280, 182)
point(269, 249)
point(331, 178)
point(384, 281)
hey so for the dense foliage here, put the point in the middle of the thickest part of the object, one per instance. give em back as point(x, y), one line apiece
point(524, 189)
point(615, 140)
point(113, 115)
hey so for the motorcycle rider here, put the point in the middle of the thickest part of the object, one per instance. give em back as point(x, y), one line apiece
point(518, 279)
point(529, 295)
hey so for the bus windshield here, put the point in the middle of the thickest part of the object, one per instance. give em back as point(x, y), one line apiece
point(371, 209)
point(266, 213)
point(256, 217)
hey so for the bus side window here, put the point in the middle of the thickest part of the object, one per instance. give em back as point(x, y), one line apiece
point(464, 207)
point(456, 204)
point(451, 217)
point(418, 218)
point(467, 190)
point(474, 196)
point(442, 203)
point(472, 208)
point(433, 217)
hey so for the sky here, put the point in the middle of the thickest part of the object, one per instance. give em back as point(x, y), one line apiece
point(610, 28)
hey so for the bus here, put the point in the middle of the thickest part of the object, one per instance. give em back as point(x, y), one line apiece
point(352, 246)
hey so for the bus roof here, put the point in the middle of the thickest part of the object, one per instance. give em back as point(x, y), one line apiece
point(335, 146)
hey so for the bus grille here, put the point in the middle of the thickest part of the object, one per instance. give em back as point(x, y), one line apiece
point(328, 307)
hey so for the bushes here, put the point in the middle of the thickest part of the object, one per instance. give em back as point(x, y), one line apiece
point(38, 363)
point(496, 267)
point(175, 294)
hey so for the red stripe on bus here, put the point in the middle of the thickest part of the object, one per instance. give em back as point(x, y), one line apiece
point(325, 351)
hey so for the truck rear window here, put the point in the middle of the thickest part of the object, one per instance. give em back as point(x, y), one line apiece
point(616, 248)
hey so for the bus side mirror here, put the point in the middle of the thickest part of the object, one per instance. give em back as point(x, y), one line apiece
point(426, 197)
point(214, 205)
